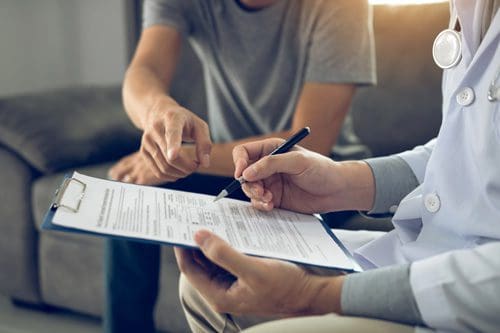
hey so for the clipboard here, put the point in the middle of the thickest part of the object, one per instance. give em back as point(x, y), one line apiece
point(57, 203)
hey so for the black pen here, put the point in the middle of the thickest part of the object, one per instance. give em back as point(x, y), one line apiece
point(289, 143)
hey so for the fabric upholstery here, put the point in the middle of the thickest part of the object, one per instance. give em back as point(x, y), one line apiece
point(59, 129)
point(18, 239)
point(404, 109)
point(71, 272)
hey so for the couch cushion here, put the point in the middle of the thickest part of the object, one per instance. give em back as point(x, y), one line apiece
point(71, 272)
point(64, 128)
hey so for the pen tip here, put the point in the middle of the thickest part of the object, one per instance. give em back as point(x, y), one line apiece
point(221, 195)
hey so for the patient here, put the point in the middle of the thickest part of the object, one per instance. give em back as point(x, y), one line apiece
point(439, 268)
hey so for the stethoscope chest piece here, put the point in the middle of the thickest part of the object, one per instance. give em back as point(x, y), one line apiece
point(447, 49)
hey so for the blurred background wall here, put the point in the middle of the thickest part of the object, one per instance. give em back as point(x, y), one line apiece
point(51, 44)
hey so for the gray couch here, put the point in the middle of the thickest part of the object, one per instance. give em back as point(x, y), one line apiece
point(44, 136)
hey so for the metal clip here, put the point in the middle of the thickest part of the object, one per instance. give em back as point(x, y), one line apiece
point(60, 192)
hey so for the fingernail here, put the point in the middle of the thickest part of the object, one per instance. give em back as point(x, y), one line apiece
point(202, 238)
point(205, 161)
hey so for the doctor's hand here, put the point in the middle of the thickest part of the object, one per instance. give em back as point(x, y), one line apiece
point(166, 126)
point(301, 180)
point(239, 284)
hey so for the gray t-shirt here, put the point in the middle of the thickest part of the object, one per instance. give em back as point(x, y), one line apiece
point(256, 62)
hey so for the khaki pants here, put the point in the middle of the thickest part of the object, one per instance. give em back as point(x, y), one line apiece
point(202, 318)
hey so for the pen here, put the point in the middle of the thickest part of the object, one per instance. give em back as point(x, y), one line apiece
point(283, 148)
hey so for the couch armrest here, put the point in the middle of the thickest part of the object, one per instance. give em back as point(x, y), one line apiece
point(67, 128)
point(18, 239)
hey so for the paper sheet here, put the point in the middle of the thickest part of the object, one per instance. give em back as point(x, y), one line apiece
point(158, 214)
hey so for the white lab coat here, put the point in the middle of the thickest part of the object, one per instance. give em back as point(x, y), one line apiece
point(449, 227)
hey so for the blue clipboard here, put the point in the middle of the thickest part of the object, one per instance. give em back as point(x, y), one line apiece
point(56, 204)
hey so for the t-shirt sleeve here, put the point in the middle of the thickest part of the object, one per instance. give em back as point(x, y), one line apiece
point(341, 47)
point(166, 12)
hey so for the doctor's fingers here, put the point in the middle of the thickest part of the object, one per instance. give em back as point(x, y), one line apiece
point(247, 153)
point(292, 163)
point(191, 268)
point(262, 205)
point(224, 255)
point(213, 289)
point(257, 191)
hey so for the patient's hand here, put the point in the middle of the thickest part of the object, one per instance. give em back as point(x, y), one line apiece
point(135, 169)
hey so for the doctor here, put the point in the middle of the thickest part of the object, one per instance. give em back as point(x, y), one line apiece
point(439, 268)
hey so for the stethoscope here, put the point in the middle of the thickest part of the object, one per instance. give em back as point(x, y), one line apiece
point(447, 53)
